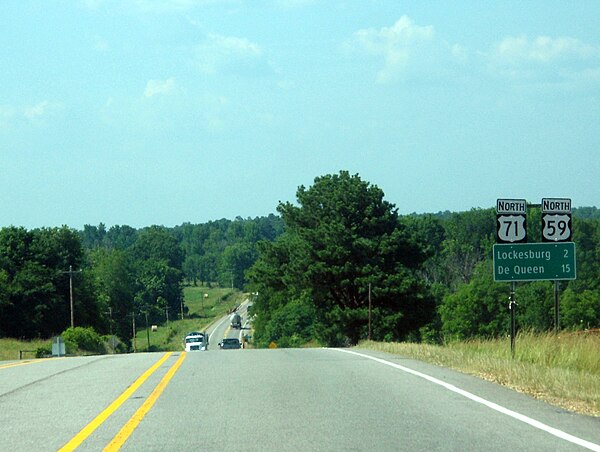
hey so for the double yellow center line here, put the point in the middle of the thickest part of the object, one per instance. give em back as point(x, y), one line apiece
point(137, 417)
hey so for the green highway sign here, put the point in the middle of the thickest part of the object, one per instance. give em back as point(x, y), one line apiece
point(534, 261)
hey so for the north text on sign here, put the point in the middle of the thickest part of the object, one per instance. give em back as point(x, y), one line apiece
point(556, 205)
point(511, 206)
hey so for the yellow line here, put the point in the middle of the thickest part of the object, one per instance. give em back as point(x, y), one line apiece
point(137, 417)
point(20, 363)
point(92, 426)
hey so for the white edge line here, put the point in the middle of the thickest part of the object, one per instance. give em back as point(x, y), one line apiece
point(492, 405)
point(216, 327)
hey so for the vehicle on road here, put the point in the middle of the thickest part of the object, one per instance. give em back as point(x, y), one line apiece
point(230, 343)
point(196, 341)
point(236, 321)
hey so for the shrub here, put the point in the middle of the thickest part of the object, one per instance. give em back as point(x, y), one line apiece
point(112, 344)
point(43, 352)
point(83, 339)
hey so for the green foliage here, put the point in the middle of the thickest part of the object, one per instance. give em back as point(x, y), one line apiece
point(192, 268)
point(467, 241)
point(43, 352)
point(292, 325)
point(234, 261)
point(112, 344)
point(113, 273)
point(34, 284)
point(79, 339)
point(221, 251)
point(535, 305)
point(580, 310)
point(479, 308)
point(342, 238)
point(586, 213)
point(157, 243)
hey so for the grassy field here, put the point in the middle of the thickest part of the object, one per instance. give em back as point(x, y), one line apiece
point(563, 370)
point(9, 348)
point(202, 312)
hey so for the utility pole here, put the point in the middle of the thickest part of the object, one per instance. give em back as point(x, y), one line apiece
point(112, 338)
point(71, 272)
point(147, 331)
point(369, 311)
point(134, 332)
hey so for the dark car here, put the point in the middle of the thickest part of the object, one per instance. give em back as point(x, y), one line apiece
point(230, 343)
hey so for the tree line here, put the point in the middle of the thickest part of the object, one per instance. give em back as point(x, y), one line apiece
point(121, 275)
point(336, 266)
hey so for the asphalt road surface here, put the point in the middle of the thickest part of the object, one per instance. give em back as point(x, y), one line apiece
point(271, 400)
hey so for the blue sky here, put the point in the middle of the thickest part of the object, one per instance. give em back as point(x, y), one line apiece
point(148, 112)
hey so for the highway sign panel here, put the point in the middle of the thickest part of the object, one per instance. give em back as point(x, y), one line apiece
point(556, 220)
point(511, 220)
point(534, 261)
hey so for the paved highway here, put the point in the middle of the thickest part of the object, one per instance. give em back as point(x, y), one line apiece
point(294, 399)
point(222, 329)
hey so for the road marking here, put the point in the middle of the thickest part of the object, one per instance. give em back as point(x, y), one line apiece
point(217, 327)
point(98, 420)
point(23, 363)
point(137, 417)
point(539, 425)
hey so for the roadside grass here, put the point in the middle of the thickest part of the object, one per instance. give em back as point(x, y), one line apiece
point(563, 370)
point(9, 348)
point(202, 311)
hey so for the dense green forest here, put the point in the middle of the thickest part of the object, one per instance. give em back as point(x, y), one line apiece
point(119, 272)
point(314, 269)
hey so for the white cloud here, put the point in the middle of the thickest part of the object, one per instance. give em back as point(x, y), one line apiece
point(407, 49)
point(543, 49)
point(41, 110)
point(37, 110)
point(154, 87)
point(543, 57)
point(229, 54)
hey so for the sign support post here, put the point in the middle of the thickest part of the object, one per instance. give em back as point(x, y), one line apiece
point(557, 226)
point(513, 324)
point(511, 228)
point(556, 306)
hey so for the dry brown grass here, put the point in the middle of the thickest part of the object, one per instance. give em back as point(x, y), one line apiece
point(563, 369)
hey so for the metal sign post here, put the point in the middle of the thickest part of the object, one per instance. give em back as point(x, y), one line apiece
point(513, 324)
point(556, 306)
